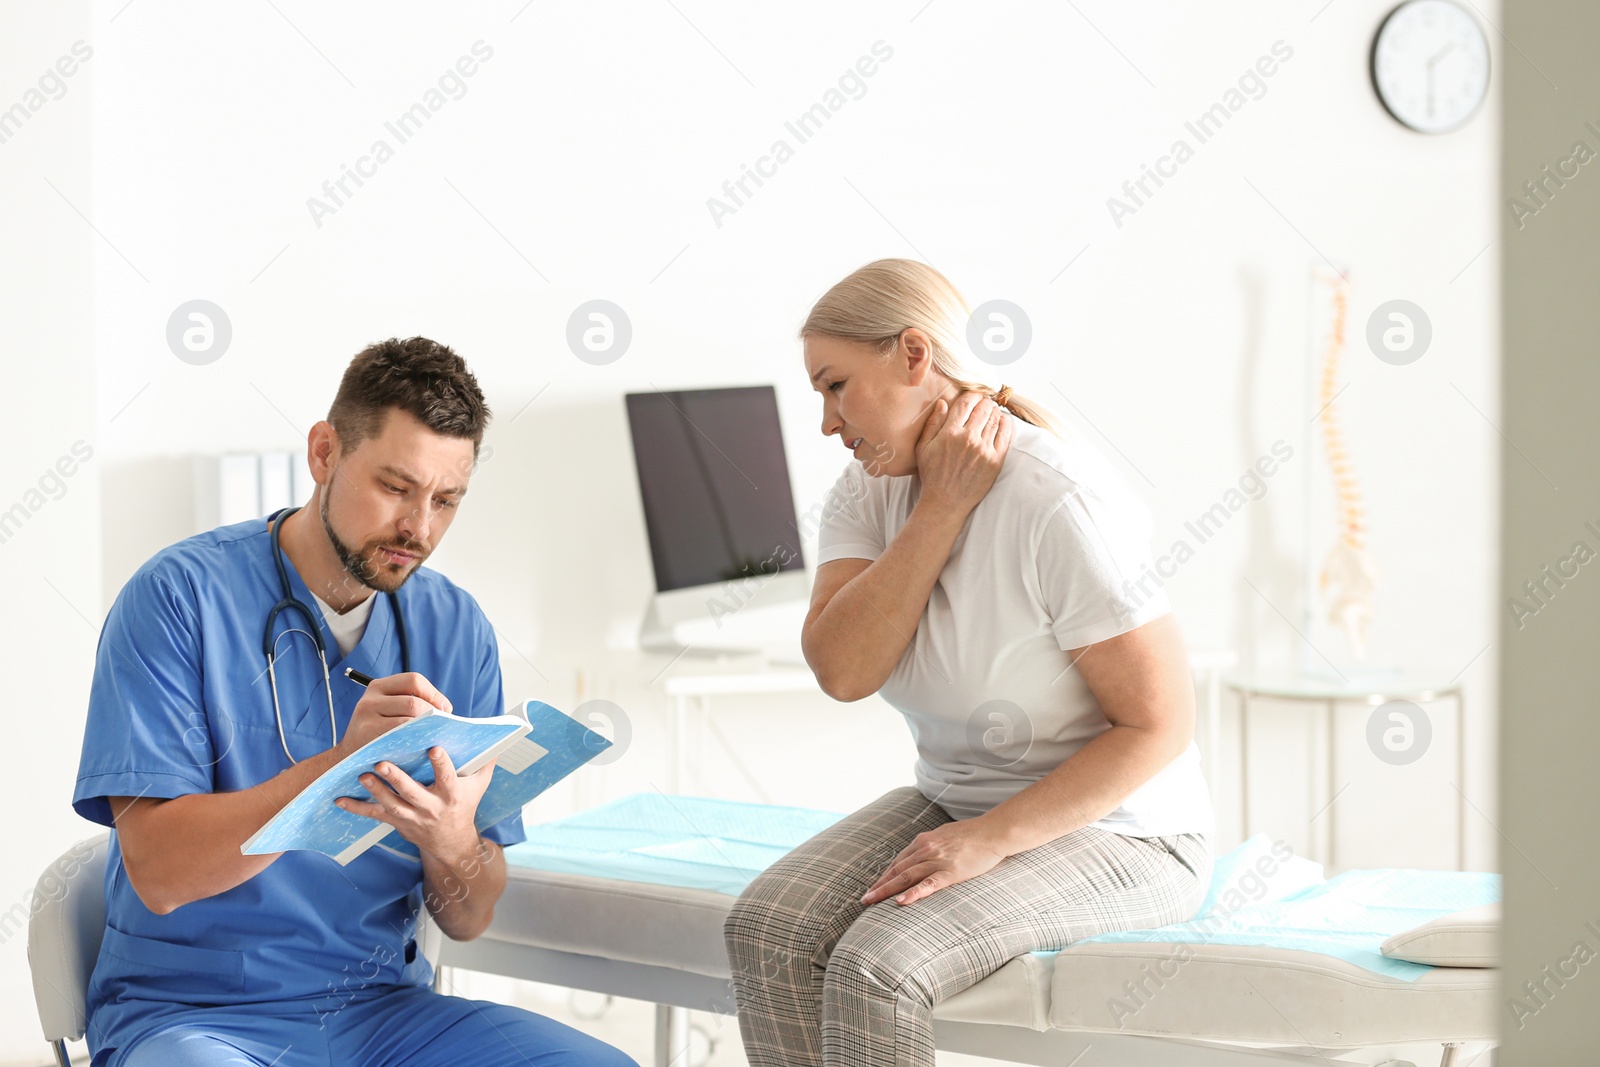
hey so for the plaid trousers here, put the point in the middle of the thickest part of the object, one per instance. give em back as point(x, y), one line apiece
point(821, 980)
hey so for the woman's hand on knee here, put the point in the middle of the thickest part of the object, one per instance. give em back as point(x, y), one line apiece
point(936, 859)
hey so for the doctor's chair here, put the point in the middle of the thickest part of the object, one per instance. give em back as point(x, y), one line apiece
point(67, 921)
point(66, 924)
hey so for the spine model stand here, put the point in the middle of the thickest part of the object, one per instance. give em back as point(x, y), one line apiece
point(1348, 570)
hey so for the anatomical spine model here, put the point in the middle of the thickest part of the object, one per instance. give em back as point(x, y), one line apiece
point(1348, 571)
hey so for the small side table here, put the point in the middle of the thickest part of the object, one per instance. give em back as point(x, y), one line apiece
point(1330, 695)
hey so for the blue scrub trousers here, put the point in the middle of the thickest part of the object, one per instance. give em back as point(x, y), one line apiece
point(406, 1026)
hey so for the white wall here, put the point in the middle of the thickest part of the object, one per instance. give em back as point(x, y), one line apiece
point(578, 165)
point(49, 515)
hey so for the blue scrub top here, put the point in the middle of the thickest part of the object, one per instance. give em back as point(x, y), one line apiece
point(181, 704)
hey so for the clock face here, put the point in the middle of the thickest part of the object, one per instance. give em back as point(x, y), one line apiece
point(1430, 65)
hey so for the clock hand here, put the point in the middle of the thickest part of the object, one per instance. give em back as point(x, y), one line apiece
point(1440, 54)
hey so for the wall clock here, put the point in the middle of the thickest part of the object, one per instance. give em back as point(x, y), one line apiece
point(1430, 65)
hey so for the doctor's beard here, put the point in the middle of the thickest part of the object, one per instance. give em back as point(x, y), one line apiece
point(365, 566)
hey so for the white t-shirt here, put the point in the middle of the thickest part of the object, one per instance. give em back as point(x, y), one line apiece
point(1049, 560)
point(347, 628)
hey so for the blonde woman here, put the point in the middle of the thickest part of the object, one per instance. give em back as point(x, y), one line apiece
point(983, 574)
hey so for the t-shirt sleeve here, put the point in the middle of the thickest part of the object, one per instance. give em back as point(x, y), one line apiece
point(488, 698)
point(147, 732)
point(1095, 569)
point(852, 528)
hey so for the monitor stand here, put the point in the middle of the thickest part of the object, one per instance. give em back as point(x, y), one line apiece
point(770, 634)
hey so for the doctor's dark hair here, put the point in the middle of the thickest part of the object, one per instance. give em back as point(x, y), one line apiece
point(421, 377)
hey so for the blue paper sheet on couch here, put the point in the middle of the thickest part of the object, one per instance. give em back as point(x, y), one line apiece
point(721, 845)
point(690, 842)
point(1348, 916)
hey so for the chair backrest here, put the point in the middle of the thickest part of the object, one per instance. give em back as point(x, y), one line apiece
point(68, 921)
point(66, 924)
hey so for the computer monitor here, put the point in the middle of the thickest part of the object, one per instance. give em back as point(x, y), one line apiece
point(719, 512)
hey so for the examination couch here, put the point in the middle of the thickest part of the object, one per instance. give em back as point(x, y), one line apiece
point(1281, 967)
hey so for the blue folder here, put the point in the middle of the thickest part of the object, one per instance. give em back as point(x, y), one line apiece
point(533, 751)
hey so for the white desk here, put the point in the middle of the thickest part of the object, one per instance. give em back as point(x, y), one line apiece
point(693, 692)
point(691, 695)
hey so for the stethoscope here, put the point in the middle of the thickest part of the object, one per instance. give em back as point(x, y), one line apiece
point(291, 603)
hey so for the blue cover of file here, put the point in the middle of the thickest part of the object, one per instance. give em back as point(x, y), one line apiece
point(553, 747)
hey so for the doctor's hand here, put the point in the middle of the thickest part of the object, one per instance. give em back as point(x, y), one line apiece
point(437, 818)
point(935, 859)
point(960, 451)
point(387, 703)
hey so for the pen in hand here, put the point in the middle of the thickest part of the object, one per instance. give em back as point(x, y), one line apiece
point(365, 680)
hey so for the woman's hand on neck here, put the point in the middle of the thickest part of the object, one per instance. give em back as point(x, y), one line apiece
point(947, 391)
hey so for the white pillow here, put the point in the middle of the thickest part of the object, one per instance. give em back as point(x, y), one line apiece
point(1468, 938)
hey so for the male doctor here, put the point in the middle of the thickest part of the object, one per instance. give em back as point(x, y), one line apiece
point(215, 957)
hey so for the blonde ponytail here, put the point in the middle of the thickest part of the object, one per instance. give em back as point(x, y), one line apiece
point(876, 303)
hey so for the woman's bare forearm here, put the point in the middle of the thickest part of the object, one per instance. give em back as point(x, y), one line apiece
point(1085, 788)
point(1142, 683)
point(854, 643)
